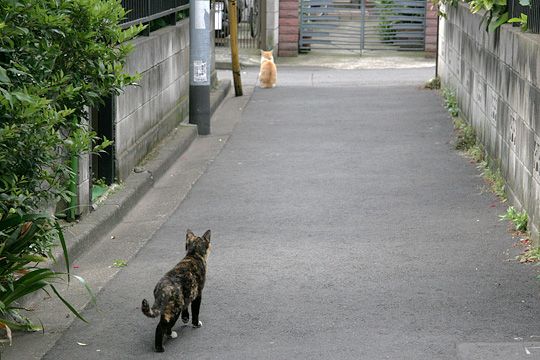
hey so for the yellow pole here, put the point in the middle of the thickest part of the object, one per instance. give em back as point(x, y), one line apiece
point(233, 23)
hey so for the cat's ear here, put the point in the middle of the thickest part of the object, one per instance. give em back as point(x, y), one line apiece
point(206, 235)
point(190, 236)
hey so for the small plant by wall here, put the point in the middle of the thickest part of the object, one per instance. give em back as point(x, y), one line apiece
point(466, 137)
point(433, 84)
point(493, 176)
point(450, 102)
point(467, 142)
point(531, 255)
point(517, 218)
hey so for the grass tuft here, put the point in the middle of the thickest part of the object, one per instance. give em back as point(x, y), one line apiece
point(466, 137)
point(518, 219)
point(466, 141)
point(531, 255)
point(450, 102)
point(433, 84)
point(495, 180)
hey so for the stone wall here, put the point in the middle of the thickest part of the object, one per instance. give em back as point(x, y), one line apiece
point(497, 79)
point(145, 114)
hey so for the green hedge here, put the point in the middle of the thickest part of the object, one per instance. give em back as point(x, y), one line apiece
point(56, 58)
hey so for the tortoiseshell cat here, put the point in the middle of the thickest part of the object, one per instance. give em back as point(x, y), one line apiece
point(180, 287)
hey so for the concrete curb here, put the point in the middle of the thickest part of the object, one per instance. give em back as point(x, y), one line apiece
point(81, 236)
point(217, 95)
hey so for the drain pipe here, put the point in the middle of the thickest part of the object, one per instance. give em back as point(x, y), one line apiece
point(74, 165)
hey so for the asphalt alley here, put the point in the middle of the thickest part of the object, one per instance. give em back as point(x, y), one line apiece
point(344, 226)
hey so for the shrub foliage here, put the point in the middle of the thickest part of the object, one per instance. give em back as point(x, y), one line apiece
point(57, 58)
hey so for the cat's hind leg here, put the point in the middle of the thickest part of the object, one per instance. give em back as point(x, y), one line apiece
point(195, 307)
point(170, 333)
point(185, 315)
point(160, 332)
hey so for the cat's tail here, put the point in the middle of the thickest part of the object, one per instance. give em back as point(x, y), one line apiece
point(150, 312)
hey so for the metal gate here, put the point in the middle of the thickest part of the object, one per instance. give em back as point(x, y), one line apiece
point(249, 23)
point(362, 24)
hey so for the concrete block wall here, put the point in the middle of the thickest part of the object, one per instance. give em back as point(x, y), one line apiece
point(145, 114)
point(497, 79)
point(288, 27)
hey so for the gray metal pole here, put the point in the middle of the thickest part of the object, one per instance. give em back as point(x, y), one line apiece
point(199, 65)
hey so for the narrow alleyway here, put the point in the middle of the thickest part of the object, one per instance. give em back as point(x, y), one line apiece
point(344, 226)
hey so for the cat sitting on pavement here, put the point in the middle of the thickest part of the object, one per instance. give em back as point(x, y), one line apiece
point(268, 71)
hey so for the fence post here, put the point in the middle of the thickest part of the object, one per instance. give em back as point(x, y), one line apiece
point(199, 65)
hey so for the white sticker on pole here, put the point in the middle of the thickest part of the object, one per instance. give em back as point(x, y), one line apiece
point(202, 14)
point(200, 72)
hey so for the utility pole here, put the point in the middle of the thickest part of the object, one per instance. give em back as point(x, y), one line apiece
point(199, 65)
point(234, 48)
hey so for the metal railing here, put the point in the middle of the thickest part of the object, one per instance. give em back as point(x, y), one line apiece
point(515, 9)
point(249, 23)
point(144, 11)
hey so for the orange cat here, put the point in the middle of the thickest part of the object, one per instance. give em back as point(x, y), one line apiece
point(268, 73)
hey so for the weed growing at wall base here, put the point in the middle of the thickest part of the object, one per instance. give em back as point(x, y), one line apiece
point(531, 255)
point(466, 137)
point(477, 153)
point(433, 84)
point(466, 141)
point(518, 219)
point(450, 102)
point(495, 180)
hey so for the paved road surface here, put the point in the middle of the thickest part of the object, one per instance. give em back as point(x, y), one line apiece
point(344, 226)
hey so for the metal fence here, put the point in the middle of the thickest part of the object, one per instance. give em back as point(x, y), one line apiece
point(144, 11)
point(249, 23)
point(515, 9)
point(362, 25)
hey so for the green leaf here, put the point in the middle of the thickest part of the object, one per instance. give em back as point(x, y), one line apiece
point(64, 246)
point(22, 327)
point(499, 21)
point(4, 77)
point(23, 97)
point(68, 305)
point(88, 289)
point(7, 96)
point(23, 290)
point(525, 2)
